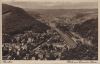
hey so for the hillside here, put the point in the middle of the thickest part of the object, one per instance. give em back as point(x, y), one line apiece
point(16, 20)
point(88, 29)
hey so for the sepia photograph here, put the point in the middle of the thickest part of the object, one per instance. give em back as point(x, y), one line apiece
point(50, 30)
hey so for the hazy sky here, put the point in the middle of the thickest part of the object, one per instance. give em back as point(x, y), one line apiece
point(55, 0)
point(54, 4)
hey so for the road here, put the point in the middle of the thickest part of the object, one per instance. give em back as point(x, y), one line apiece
point(42, 43)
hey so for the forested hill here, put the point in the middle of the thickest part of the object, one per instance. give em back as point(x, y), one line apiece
point(16, 20)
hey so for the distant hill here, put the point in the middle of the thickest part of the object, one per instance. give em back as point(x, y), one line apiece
point(16, 20)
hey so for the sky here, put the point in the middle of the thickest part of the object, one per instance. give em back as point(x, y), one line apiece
point(54, 4)
point(54, 0)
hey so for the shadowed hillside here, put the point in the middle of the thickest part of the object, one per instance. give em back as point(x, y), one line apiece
point(88, 29)
point(16, 20)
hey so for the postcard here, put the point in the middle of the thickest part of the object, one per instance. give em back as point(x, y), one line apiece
point(49, 32)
